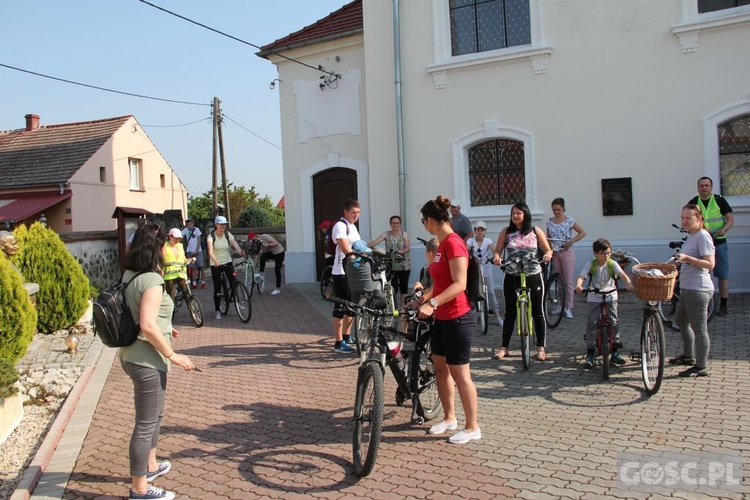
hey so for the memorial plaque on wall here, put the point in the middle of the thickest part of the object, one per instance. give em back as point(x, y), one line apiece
point(617, 196)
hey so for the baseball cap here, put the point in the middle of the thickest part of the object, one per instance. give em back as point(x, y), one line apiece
point(480, 224)
point(455, 202)
point(221, 220)
point(175, 233)
point(251, 235)
point(361, 247)
point(189, 219)
point(324, 225)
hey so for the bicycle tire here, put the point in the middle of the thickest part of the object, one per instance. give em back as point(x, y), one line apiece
point(712, 307)
point(361, 332)
point(554, 301)
point(604, 350)
point(242, 302)
point(482, 316)
point(523, 330)
point(260, 284)
point(368, 417)
point(653, 344)
point(249, 279)
point(195, 308)
point(428, 398)
point(225, 298)
point(326, 283)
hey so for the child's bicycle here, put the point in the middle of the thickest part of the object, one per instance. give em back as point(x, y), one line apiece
point(523, 311)
point(605, 338)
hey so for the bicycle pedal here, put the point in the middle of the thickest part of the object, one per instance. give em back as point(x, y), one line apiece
point(635, 356)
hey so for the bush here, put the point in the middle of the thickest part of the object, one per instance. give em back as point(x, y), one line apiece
point(17, 314)
point(8, 377)
point(255, 216)
point(63, 287)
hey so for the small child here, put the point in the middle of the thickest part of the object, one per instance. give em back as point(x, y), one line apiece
point(430, 251)
point(603, 271)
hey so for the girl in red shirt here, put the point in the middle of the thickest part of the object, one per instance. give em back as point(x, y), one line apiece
point(455, 322)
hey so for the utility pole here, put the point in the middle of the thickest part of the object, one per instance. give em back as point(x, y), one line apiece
point(219, 143)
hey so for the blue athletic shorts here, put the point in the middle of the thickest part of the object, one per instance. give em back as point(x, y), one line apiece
point(721, 269)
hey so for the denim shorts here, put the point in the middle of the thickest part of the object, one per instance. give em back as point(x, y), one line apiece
point(721, 268)
point(452, 338)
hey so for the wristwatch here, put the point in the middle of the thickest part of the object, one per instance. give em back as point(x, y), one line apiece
point(434, 303)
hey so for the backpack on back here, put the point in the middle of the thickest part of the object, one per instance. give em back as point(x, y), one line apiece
point(113, 321)
point(329, 244)
point(474, 279)
point(610, 267)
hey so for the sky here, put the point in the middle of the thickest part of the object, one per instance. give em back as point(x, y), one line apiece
point(129, 46)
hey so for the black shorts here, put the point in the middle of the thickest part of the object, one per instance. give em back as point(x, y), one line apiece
point(341, 291)
point(452, 338)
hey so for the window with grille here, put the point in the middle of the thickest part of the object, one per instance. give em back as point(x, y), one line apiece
point(497, 173)
point(714, 5)
point(482, 25)
point(135, 174)
point(734, 156)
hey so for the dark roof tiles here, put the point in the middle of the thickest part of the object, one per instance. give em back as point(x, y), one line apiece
point(51, 154)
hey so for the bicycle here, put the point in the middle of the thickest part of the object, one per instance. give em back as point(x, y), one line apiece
point(194, 306)
point(480, 304)
point(652, 290)
point(239, 295)
point(668, 308)
point(605, 339)
point(523, 310)
point(326, 282)
point(414, 375)
point(554, 294)
point(253, 279)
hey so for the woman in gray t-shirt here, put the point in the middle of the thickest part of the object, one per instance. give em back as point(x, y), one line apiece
point(696, 290)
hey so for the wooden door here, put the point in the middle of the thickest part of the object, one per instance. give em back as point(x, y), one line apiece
point(331, 188)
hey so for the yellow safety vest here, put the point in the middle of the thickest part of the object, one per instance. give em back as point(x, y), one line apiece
point(712, 215)
point(173, 262)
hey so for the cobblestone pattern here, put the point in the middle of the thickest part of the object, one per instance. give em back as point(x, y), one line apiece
point(270, 415)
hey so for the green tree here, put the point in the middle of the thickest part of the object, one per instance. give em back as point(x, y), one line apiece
point(240, 199)
point(17, 314)
point(63, 286)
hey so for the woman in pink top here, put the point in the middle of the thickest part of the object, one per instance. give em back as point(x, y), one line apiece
point(455, 322)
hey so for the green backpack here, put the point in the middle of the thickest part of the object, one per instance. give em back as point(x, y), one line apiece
point(610, 266)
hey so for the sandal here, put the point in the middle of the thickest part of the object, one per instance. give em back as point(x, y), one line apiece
point(682, 360)
point(501, 353)
point(541, 355)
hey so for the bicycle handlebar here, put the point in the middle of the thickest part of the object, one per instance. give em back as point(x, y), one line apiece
point(354, 307)
point(602, 292)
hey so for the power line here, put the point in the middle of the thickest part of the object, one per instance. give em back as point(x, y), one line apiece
point(102, 88)
point(316, 68)
point(248, 130)
point(208, 118)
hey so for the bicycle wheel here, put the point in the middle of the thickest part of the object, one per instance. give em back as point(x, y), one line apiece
point(667, 310)
point(653, 343)
point(482, 316)
point(523, 330)
point(249, 280)
point(368, 417)
point(362, 331)
point(554, 301)
point(224, 298)
point(428, 399)
point(242, 302)
point(260, 283)
point(604, 350)
point(326, 283)
point(711, 309)
point(195, 308)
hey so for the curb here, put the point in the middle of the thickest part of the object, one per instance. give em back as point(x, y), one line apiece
point(43, 456)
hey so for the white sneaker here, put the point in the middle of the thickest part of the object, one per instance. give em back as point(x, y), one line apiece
point(568, 314)
point(443, 426)
point(276, 292)
point(218, 314)
point(465, 436)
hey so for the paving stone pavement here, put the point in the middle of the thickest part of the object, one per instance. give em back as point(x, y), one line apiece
point(270, 415)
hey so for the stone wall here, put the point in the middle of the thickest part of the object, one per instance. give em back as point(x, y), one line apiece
point(97, 254)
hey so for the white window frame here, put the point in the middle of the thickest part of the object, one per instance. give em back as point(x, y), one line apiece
point(691, 23)
point(135, 173)
point(444, 61)
point(711, 146)
point(493, 130)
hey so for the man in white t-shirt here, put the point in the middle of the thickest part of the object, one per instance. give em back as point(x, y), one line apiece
point(344, 233)
point(191, 238)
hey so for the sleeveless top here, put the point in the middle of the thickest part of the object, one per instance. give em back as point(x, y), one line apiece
point(173, 260)
point(397, 243)
point(525, 247)
point(562, 231)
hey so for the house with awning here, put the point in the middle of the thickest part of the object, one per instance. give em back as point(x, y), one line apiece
point(77, 174)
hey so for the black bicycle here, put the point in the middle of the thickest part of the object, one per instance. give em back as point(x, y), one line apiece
point(238, 294)
point(194, 306)
point(554, 295)
point(408, 356)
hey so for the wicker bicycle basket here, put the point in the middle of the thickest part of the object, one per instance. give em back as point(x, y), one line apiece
point(648, 287)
